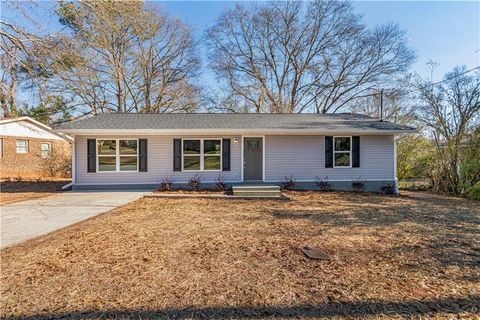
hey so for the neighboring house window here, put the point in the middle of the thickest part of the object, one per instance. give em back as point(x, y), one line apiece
point(22, 146)
point(46, 149)
point(342, 152)
point(203, 154)
point(117, 155)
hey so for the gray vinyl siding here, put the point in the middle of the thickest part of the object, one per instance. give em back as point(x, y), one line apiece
point(160, 163)
point(303, 157)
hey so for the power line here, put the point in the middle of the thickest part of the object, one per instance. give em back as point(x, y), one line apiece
point(443, 80)
point(449, 78)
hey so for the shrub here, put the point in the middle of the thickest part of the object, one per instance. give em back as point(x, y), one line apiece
point(220, 184)
point(290, 183)
point(473, 192)
point(57, 165)
point(323, 185)
point(414, 184)
point(388, 188)
point(194, 182)
point(166, 184)
point(358, 185)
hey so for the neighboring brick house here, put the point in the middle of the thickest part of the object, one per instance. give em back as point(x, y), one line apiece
point(30, 149)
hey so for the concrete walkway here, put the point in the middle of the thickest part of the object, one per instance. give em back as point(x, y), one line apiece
point(29, 219)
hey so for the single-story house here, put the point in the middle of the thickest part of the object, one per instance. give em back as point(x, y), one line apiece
point(137, 150)
point(30, 149)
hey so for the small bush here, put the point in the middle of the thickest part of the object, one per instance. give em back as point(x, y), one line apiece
point(290, 183)
point(322, 184)
point(194, 182)
point(388, 188)
point(358, 185)
point(166, 184)
point(473, 192)
point(414, 184)
point(220, 184)
point(57, 165)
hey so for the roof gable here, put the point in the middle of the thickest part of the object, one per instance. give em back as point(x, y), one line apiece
point(27, 127)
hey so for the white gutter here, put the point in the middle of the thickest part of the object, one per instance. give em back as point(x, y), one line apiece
point(74, 169)
point(229, 131)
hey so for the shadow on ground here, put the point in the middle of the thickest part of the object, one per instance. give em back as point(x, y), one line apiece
point(451, 306)
point(32, 186)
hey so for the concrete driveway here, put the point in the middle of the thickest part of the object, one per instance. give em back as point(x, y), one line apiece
point(29, 219)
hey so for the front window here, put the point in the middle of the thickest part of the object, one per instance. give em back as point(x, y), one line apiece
point(128, 155)
point(117, 155)
point(22, 146)
point(342, 149)
point(107, 155)
point(46, 149)
point(202, 154)
point(191, 154)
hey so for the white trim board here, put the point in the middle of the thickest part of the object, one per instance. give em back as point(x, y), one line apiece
point(195, 132)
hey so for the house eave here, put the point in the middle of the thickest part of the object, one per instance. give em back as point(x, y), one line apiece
point(90, 132)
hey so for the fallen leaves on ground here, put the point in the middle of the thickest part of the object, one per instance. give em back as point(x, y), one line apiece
point(415, 255)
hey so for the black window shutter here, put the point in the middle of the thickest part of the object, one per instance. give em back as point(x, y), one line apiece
point(177, 154)
point(91, 155)
point(328, 152)
point(356, 152)
point(226, 154)
point(142, 155)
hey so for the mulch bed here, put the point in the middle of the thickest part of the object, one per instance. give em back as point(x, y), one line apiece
point(390, 257)
point(21, 190)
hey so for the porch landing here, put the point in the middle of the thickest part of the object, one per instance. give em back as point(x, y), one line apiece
point(256, 190)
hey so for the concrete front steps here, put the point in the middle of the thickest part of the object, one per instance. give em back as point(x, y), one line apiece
point(257, 191)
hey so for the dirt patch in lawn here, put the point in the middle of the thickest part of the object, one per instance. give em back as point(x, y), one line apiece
point(390, 257)
point(15, 191)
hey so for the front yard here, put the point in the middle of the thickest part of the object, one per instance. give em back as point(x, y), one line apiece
point(416, 255)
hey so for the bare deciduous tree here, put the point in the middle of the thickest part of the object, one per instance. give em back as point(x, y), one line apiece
point(122, 57)
point(166, 62)
point(397, 103)
point(16, 44)
point(296, 57)
point(451, 111)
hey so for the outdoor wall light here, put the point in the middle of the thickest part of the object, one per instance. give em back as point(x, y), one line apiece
point(235, 140)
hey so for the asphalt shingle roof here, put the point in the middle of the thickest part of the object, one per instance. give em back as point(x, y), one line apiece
point(228, 121)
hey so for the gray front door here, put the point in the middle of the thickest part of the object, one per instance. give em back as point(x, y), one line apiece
point(253, 159)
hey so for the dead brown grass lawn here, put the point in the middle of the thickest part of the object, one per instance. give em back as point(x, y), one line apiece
point(15, 191)
point(391, 257)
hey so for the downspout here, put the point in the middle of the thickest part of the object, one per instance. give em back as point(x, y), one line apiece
point(395, 164)
point(73, 166)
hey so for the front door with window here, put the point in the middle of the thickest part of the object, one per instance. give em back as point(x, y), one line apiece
point(253, 159)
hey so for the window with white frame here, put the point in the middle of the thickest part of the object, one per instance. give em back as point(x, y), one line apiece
point(46, 149)
point(342, 152)
point(202, 155)
point(22, 146)
point(115, 155)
